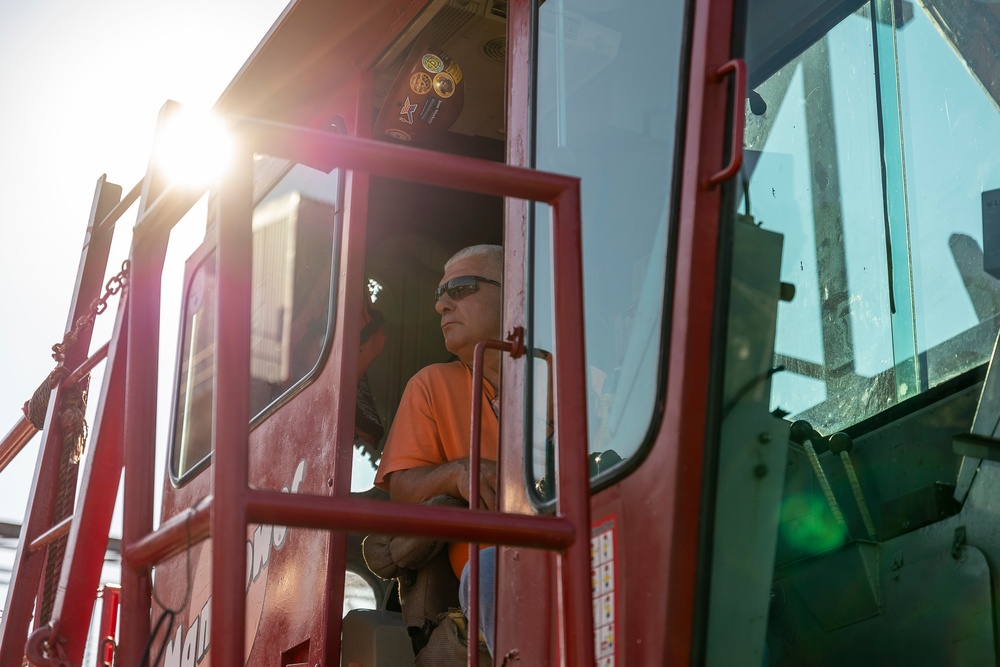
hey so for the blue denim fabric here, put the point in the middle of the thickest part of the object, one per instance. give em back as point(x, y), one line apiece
point(487, 592)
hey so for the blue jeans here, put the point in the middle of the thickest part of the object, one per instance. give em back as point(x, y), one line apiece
point(487, 590)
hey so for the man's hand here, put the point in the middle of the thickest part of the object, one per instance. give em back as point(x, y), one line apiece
point(419, 484)
point(487, 481)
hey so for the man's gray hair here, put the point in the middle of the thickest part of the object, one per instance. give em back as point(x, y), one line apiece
point(493, 254)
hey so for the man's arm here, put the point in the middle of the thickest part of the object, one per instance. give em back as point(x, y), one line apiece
point(416, 485)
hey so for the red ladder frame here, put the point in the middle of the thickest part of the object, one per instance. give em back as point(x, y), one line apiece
point(38, 531)
point(128, 402)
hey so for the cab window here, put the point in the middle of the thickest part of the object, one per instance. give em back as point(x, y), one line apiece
point(891, 297)
point(860, 307)
point(295, 232)
point(607, 87)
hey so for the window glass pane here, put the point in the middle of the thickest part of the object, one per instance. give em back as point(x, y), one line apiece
point(607, 86)
point(871, 172)
point(294, 231)
point(949, 85)
point(834, 338)
point(878, 184)
point(192, 439)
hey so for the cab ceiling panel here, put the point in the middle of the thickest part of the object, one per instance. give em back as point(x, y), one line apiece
point(313, 49)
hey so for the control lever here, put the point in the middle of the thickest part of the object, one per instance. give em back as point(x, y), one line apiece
point(841, 444)
point(803, 433)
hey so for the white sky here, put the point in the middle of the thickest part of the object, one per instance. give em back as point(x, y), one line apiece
point(80, 87)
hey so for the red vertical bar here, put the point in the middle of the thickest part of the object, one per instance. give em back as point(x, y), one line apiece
point(475, 452)
point(231, 413)
point(141, 366)
point(141, 369)
point(571, 423)
point(87, 541)
point(343, 365)
point(672, 476)
point(108, 628)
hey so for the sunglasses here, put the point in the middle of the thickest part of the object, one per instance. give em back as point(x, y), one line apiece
point(461, 287)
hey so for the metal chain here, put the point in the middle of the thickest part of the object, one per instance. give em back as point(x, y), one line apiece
point(115, 284)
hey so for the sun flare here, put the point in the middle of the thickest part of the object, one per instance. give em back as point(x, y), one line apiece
point(194, 149)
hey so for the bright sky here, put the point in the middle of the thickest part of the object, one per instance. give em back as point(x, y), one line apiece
point(81, 85)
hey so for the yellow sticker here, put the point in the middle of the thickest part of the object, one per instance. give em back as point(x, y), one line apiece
point(444, 85)
point(420, 83)
point(455, 71)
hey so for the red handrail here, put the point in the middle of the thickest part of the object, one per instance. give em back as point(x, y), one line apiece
point(515, 349)
point(234, 504)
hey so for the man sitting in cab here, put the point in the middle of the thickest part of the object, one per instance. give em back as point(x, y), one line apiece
point(427, 452)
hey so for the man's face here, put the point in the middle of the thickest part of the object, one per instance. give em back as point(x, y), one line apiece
point(475, 317)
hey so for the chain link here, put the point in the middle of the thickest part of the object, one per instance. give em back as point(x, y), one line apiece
point(115, 284)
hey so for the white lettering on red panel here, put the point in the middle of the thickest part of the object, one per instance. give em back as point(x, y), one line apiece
point(190, 648)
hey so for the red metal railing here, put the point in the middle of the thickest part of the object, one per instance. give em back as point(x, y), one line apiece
point(515, 348)
point(234, 504)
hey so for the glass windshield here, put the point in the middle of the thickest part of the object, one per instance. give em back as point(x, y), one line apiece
point(858, 281)
point(866, 152)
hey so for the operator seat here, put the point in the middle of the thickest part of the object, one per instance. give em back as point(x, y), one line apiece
point(428, 594)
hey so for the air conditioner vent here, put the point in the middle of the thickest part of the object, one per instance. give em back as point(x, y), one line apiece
point(496, 49)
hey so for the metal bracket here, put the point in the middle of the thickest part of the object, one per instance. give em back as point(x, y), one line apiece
point(958, 542)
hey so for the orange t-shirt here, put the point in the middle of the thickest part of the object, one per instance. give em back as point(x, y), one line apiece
point(432, 426)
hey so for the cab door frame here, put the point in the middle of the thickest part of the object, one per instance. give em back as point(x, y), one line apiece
point(662, 499)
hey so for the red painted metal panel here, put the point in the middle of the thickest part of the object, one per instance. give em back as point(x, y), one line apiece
point(665, 491)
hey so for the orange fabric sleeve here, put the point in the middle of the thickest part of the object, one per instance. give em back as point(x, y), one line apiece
point(432, 427)
point(432, 423)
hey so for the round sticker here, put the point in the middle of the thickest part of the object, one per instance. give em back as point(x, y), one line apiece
point(432, 63)
point(420, 83)
point(398, 134)
point(444, 85)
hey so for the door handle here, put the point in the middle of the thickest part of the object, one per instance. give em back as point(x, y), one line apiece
point(739, 67)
